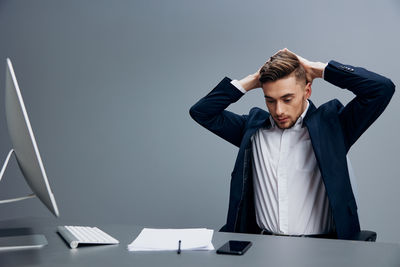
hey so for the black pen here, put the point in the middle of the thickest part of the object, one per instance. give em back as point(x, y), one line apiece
point(179, 247)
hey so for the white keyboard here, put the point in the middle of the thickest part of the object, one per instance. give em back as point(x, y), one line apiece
point(75, 235)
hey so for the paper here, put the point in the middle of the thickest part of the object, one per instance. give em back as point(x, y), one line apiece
point(168, 239)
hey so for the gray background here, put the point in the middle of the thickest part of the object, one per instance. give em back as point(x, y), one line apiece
point(108, 86)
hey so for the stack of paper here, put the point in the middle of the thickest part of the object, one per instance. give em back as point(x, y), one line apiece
point(168, 239)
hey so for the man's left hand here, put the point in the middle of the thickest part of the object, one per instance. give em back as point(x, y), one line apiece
point(313, 69)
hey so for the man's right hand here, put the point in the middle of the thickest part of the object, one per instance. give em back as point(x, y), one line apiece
point(251, 81)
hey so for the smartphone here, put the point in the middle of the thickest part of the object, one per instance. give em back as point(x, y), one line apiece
point(234, 247)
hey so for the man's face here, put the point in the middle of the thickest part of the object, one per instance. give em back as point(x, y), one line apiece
point(286, 100)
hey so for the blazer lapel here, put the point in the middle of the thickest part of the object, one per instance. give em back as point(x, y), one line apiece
point(257, 124)
point(311, 122)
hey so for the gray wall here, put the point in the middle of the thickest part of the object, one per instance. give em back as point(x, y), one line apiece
point(108, 86)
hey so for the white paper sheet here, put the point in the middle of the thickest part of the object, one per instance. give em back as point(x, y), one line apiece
point(168, 239)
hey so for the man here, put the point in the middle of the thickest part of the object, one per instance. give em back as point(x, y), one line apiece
point(291, 175)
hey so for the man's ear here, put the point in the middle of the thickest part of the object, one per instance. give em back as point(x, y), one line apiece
point(307, 90)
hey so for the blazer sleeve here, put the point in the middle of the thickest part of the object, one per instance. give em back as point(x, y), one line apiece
point(210, 112)
point(373, 93)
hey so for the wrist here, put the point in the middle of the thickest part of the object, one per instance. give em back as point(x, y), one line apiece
point(318, 69)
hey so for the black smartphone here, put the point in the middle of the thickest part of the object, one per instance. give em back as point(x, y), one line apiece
point(234, 247)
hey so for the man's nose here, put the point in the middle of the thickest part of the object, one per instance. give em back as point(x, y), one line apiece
point(278, 109)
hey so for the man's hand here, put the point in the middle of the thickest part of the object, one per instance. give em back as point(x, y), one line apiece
point(251, 81)
point(313, 69)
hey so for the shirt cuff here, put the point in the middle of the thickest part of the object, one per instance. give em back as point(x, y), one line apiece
point(237, 84)
point(323, 73)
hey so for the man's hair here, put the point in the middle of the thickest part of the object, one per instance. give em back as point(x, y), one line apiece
point(281, 65)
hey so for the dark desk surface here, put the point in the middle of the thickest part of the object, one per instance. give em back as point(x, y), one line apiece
point(266, 251)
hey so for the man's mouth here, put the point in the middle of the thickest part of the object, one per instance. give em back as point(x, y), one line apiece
point(282, 120)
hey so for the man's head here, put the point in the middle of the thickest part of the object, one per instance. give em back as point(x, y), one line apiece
point(286, 90)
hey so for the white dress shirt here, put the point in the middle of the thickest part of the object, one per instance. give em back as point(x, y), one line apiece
point(289, 193)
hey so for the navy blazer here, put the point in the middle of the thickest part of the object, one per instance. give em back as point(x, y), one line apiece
point(333, 129)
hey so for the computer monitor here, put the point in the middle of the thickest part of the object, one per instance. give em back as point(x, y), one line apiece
point(26, 153)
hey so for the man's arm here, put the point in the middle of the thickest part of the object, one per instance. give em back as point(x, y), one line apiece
point(210, 112)
point(373, 93)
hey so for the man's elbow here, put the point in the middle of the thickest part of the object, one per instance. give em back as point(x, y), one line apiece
point(391, 87)
point(199, 115)
point(194, 112)
point(388, 88)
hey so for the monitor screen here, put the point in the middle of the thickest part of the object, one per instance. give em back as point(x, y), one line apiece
point(24, 143)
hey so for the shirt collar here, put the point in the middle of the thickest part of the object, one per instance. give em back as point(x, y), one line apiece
point(299, 121)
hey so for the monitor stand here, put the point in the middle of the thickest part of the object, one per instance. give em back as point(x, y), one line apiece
point(22, 241)
point(1, 176)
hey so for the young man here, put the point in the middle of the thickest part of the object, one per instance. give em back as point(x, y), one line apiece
point(291, 175)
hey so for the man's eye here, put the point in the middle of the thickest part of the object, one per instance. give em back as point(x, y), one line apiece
point(270, 101)
point(287, 100)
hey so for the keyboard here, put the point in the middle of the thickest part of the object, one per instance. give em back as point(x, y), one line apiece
point(75, 235)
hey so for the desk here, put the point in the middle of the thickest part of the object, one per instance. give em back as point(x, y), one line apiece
point(266, 251)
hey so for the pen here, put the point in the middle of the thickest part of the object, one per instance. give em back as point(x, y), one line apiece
point(179, 247)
